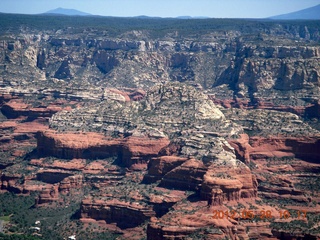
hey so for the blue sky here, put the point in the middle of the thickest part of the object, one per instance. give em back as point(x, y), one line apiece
point(164, 8)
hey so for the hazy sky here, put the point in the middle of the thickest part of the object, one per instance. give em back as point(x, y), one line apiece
point(164, 8)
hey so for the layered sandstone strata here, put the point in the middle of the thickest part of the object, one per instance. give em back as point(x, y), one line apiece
point(129, 150)
point(15, 109)
point(273, 134)
point(114, 211)
point(188, 152)
point(228, 181)
point(256, 147)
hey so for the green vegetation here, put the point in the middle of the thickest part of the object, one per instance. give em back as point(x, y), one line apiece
point(84, 235)
point(56, 222)
point(275, 161)
point(299, 226)
point(311, 183)
point(203, 232)
point(113, 26)
point(281, 202)
point(5, 218)
point(10, 203)
point(18, 237)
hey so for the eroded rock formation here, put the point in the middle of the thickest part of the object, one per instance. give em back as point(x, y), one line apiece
point(116, 211)
point(129, 150)
point(167, 154)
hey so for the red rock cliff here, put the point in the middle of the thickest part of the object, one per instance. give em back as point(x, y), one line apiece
point(307, 148)
point(129, 150)
point(229, 181)
point(115, 211)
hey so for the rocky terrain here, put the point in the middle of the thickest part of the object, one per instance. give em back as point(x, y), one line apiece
point(229, 61)
point(153, 136)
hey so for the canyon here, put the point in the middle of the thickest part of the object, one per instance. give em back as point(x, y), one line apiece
point(152, 134)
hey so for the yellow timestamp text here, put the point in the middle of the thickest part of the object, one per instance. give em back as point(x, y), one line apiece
point(261, 214)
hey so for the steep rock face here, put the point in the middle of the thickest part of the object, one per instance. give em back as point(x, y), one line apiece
point(64, 71)
point(130, 63)
point(219, 178)
point(272, 77)
point(72, 182)
point(93, 145)
point(158, 232)
point(139, 150)
point(116, 212)
point(242, 147)
point(187, 176)
point(313, 111)
point(16, 108)
point(279, 147)
point(228, 181)
point(282, 68)
point(104, 61)
point(52, 176)
point(9, 183)
point(41, 60)
point(119, 44)
point(48, 194)
point(304, 148)
point(158, 167)
point(280, 58)
point(273, 134)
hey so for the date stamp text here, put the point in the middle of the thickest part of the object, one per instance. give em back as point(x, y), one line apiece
point(250, 214)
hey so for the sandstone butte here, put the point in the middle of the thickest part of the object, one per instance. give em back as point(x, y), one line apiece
point(91, 145)
point(256, 147)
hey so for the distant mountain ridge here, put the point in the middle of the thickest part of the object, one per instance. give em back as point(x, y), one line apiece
point(312, 13)
point(68, 12)
point(74, 12)
point(189, 17)
point(146, 17)
point(179, 17)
